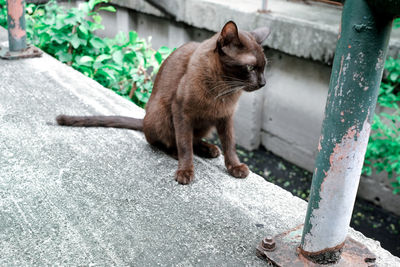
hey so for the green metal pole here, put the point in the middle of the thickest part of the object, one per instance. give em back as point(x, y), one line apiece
point(353, 90)
point(16, 25)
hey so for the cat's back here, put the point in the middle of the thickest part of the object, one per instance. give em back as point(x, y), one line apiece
point(173, 69)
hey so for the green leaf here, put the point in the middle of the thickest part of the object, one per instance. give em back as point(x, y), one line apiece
point(396, 190)
point(44, 39)
point(394, 76)
point(75, 41)
point(107, 74)
point(396, 23)
point(87, 70)
point(97, 18)
point(69, 20)
point(139, 95)
point(164, 50)
point(99, 60)
point(120, 38)
point(95, 26)
point(97, 42)
point(83, 30)
point(63, 56)
point(132, 37)
point(108, 8)
point(158, 57)
point(85, 59)
point(118, 57)
point(130, 56)
point(111, 66)
point(93, 3)
point(102, 58)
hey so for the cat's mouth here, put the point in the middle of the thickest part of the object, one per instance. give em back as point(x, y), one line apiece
point(251, 88)
point(235, 86)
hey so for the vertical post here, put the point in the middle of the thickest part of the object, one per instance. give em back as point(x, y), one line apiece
point(17, 47)
point(16, 25)
point(353, 90)
point(264, 5)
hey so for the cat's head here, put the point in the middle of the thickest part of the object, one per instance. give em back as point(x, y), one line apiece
point(242, 57)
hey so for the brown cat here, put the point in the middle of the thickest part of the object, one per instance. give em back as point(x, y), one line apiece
point(196, 89)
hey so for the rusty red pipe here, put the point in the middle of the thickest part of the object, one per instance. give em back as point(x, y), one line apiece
point(16, 25)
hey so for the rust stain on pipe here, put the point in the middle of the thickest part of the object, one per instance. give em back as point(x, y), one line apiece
point(16, 11)
point(319, 143)
point(338, 191)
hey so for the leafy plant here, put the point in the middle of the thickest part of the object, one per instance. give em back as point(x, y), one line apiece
point(3, 13)
point(383, 153)
point(126, 64)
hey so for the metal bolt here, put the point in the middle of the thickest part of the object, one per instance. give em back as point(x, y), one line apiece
point(268, 243)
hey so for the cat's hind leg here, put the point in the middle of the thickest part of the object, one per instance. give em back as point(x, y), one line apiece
point(170, 151)
point(205, 150)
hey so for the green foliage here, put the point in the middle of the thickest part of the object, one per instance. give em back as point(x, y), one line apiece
point(3, 13)
point(126, 64)
point(396, 23)
point(383, 153)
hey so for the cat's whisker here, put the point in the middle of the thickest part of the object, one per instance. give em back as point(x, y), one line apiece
point(229, 78)
point(234, 90)
point(228, 81)
point(229, 91)
point(229, 85)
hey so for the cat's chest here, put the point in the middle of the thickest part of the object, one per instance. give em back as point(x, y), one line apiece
point(223, 108)
point(215, 109)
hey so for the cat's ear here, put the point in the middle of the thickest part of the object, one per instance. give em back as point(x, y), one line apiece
point(229, 35)
point(261, 34)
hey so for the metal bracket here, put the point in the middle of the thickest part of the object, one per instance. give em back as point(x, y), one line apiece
point(29, 52)
point(283, 250)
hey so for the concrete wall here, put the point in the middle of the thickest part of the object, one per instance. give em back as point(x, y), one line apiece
point(293, 108)
point(285, 116)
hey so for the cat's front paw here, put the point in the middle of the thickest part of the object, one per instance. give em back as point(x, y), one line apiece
point(239, 171)
point(184, 176)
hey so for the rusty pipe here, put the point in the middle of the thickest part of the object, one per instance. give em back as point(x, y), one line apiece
point(264, 5)
point(16, 25)
point(353, 90)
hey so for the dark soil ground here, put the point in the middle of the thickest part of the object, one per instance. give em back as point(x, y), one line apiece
point(369, 219)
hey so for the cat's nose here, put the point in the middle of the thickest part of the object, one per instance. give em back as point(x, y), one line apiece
point(261, 82)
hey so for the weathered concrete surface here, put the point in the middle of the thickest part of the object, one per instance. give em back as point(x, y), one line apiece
point(77, 196)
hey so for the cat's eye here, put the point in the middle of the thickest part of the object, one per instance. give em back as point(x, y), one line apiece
point(250, 68)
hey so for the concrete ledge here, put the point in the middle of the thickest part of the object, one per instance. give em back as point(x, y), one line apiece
point(77, 196)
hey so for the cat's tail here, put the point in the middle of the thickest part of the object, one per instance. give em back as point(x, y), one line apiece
point(101, 121)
